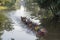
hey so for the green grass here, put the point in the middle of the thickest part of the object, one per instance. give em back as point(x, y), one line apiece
point(3, 7)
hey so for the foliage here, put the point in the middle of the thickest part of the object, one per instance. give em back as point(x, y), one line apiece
point(52, 5)
point(3, 7)
point(7, 3)
point(32, 6)
point(5, 24)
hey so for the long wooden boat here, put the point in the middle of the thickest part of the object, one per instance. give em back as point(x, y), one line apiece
point(34, 27)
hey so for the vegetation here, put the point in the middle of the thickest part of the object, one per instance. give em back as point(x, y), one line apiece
point(7, 4)
point(5, 24)
point(32, 6)
point(3, 7)
point(50, 5)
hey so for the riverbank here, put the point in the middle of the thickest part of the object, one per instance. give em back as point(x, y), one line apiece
point(3, 7)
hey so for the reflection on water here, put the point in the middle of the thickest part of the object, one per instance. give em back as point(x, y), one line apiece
point(5, 25)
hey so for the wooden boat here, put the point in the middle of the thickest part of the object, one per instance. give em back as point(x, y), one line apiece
point(33, 26)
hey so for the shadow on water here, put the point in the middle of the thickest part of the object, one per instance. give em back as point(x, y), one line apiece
point(53, 28)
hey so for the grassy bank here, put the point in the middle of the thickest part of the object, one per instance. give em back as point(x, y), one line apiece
point(3, 7)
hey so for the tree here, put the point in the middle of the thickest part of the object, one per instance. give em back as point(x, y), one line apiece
point(32, 6)
point(7, 3)
point(52, 5)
